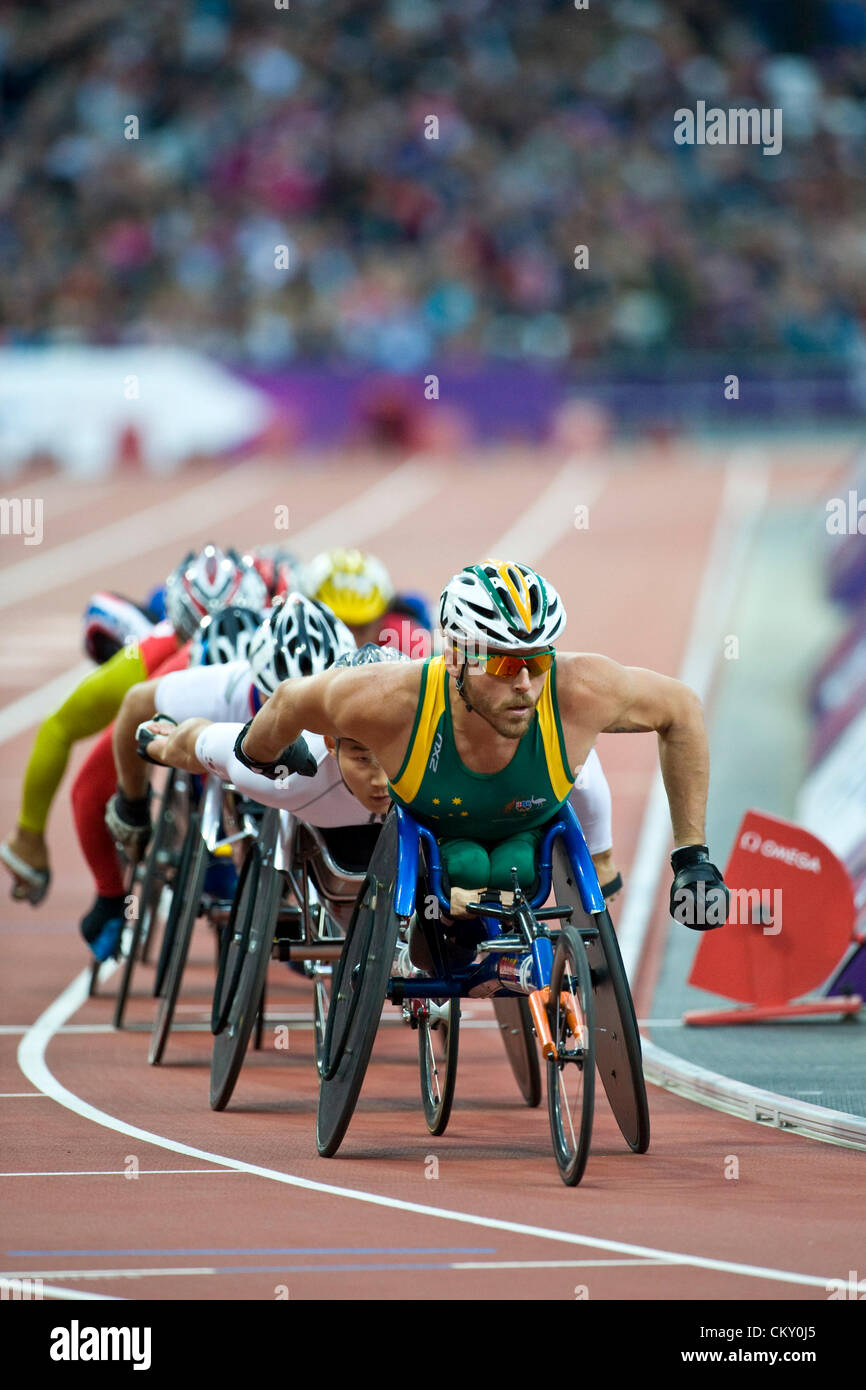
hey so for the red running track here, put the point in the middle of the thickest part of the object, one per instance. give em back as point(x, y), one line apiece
point(480, 1213)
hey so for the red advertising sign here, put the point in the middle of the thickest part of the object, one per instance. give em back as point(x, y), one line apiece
point(790, 920)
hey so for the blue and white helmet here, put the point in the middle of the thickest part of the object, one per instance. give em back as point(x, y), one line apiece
point(206, 582)
point(298, 637)
point(110, 621)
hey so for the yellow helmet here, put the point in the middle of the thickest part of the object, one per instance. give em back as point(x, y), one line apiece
point(356, 587)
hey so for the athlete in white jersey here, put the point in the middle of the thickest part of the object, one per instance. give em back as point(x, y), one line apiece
point(297, 638)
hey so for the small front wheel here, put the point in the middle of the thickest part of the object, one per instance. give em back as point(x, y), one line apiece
point(438, 1072)
point(571, 1068)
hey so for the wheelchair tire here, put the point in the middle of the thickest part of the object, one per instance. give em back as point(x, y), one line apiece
point(152, 882)
point(264, 890)
point(185, 907)
point(321, 1005)
point(439, 1073)
point(571, 1071)
point(178, 813)
point(234, 938)
point(357, 994)
point(93, 980)
point(617, 1040)
point(515, 1027)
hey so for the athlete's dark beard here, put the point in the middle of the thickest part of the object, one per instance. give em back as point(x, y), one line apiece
point(496, 717)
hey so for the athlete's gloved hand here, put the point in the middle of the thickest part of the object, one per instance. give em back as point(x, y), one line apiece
point(144, 736)
point(128, 819)
point(296, 758)
point(699, 898)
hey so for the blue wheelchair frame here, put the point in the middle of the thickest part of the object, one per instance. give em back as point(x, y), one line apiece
point(458, 983)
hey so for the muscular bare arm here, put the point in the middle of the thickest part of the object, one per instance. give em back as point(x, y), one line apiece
point(139, 704)
point(603, 697)
point(373, 704)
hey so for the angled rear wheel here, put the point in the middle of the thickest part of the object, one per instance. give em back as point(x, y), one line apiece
point(358, 992)
point(258, 912)
point(185, 906)
point(521, 1048)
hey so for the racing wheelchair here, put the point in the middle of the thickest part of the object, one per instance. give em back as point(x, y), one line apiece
point(296, 889)
point(154, 876)
point(572, 978)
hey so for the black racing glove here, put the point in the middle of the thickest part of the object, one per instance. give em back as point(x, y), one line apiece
point(699, 898)
point(144, 737)
point(128, 819)
point(296, 758)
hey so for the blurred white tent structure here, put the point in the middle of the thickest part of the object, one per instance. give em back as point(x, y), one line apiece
point(78, 404)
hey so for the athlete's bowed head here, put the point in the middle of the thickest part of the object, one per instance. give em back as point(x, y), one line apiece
point(360, 769)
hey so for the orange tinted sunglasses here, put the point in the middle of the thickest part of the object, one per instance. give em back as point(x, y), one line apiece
point(507, 667)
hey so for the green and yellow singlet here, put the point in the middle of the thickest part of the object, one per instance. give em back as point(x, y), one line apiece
point(436, 786)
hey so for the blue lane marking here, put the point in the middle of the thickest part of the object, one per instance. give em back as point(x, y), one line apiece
point(284, 1250)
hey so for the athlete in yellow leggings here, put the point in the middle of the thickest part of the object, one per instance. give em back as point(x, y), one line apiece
point(201, 584)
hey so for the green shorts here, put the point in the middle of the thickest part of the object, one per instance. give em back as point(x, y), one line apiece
point(488, 863)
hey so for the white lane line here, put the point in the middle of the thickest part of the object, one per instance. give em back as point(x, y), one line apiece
point(553, 1264)
point(23, 1286)
point(32, 709)
point(190, 513)
point(31, 1060)
point(745, 492)
point(550, 516)
point(169, 1271)
point(111, 1172)
point(386, 502)
point(381, 506)
point(20, 1095)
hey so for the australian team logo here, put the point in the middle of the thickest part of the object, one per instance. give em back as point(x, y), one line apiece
point(529, 803)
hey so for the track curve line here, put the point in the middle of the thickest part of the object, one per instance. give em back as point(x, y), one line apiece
point(32, 1062)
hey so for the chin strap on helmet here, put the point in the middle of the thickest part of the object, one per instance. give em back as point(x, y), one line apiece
point(460, 682)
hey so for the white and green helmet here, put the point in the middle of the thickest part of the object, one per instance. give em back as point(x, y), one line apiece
point(501, 604)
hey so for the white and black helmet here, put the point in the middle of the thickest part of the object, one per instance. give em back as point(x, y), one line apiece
point(203, 583)
point(298, 637)
point(500, 604)
point(225, 636)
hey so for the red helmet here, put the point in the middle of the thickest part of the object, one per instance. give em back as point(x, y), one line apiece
point(203, 583)
point(279, 568)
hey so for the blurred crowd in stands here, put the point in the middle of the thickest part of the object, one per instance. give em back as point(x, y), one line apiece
point(304, 127)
